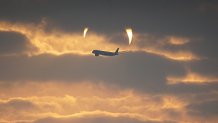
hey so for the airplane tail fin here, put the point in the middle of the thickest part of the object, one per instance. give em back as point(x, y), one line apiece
point(116, 52)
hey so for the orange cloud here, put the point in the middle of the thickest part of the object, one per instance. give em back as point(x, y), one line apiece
point(58, 42)
point(179, 55)
point(171, 102)
point(60, 100)
point(177, 40)
point(192, 78)
point(33, 101)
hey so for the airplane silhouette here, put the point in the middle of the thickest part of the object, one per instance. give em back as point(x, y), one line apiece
point(105, 53)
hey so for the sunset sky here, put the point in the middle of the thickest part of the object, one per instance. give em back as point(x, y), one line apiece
point(167, 74)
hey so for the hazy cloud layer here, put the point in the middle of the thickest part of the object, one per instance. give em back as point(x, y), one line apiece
point(60, 102)
point(167, 75)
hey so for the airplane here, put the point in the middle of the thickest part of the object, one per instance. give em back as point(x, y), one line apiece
point(105, 53)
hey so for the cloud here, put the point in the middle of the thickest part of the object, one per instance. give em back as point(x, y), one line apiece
point(209, 6)
point(167, 74)
point(204, 110)
point(64, 101)
point(138, 72)
point(89, 102)
point(192, 78)
point(65, 85)
point(177, 41)
point(59, 42)
point(97, 119)
point(13, 43)
point(16, 108)
point(56, 41)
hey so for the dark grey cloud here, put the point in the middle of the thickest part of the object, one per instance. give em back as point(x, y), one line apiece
point(206, 46)
point(134, 70)
point(186, 89)
point(209, 7)
point(204, 109)
point(207, 66)
point(166, 17)
point(16, 108)
point(12, 42)
point(99, 119)
point(16, 105)
point(139, 71)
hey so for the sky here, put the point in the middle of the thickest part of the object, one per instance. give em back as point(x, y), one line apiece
point(168, 74)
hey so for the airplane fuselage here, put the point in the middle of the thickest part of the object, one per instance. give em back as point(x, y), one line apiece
point(104, 53)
